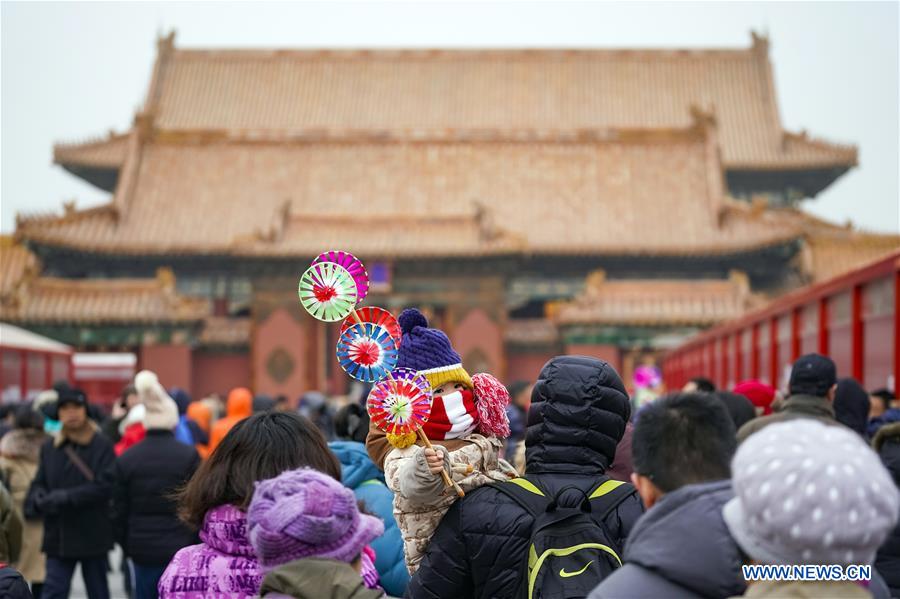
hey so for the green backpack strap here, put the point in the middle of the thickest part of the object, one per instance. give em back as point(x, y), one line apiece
point(611, 493)
point(525, 493)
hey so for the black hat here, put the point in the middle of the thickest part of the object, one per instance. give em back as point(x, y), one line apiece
point(69, 395)
point(812, 374)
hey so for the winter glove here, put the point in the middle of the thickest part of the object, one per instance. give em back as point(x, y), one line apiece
point(53, 502)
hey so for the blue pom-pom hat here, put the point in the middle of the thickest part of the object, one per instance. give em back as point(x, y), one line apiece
point(429, 352)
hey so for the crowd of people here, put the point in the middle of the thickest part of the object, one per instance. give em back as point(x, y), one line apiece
point(568, 486)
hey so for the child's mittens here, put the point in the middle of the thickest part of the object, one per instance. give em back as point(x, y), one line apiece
point(491, 399)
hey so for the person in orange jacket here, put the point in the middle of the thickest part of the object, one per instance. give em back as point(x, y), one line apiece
point(200, 413)
point(239, 406)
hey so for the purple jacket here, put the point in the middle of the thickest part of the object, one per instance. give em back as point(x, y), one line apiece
point(222, 566)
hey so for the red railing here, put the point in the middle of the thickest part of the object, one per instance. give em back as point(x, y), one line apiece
point(873, 358)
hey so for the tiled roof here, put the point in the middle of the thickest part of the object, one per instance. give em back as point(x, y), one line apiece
point(224, 331)
point(656, 302)
point(16, 264)
point(832, 250)
point(651, 193)
point(108, 152)
point(445, 94)
point(531, 331)
point(47, 299)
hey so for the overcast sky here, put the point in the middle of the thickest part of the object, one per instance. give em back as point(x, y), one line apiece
point(76, 70)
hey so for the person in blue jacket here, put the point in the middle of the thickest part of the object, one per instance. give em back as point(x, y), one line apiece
point(187, 431)
point(359, 473)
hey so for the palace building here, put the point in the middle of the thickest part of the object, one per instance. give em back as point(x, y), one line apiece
point(532, 202)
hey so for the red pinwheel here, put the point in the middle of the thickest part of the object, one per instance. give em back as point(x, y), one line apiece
point(399, 406)
point(377, 316)
point(367, 352)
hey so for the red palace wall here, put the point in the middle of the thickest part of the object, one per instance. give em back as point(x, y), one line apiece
point(171, 363)
point(479, 341)
point(219, 372)
point(280, 352)
point(525, 366)
point(609, 353)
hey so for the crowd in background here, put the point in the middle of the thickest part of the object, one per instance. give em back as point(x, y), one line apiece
point(254, 495)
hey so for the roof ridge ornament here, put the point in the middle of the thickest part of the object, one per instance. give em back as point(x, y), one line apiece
point(703, 116)
point(760, 43)
point(165, 44)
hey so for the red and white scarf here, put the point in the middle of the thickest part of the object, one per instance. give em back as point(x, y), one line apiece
point(452, 416)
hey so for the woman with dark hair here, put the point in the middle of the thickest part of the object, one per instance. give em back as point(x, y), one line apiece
point(215, 501)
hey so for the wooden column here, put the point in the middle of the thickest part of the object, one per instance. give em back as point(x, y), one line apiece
point(754, 351)
point(795, 333)
point(723, 346)
point(48, 371)
point(774, 345)
point(823, 326)
point(738, 356)
point(857, 334)
point(23, 374)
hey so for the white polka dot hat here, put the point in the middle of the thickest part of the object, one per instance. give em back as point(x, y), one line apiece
point(809, 493)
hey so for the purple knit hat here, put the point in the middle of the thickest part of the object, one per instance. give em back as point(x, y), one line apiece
point(305, 513)
point(428, 351)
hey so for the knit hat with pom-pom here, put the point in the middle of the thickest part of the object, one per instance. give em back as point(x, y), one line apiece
point(305, 513)
point(160, 410)
point(429, 351)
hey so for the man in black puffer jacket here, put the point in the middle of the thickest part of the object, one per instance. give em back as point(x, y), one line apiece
point(887, 561)
point(145, 478)
point(578, 412)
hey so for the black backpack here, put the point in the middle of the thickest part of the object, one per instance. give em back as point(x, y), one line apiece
point(569, 552)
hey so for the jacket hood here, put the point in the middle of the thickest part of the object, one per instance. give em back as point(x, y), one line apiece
point(578, 412)
point(313, 578)
point(225, 530)
point(181, 399)
point(356, 466)
point(22, 443)
point(684, 539)
point(240, 403)
point(851, 405)
point(201, 414)
point(887, 444)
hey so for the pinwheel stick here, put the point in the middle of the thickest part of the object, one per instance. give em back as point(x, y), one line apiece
point(447, 480)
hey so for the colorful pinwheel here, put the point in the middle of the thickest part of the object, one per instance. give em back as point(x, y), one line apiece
point(376, 316)
point(399, 406)
point(367, 352)
point(352, 265)
point(408, 374)
point(327, 291)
